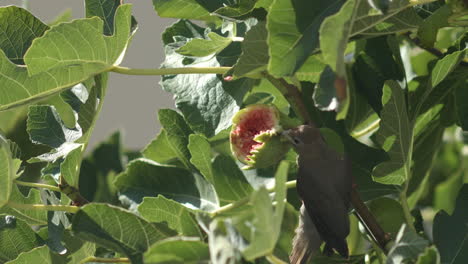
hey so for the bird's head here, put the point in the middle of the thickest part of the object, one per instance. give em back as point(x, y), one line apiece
point(302, 136)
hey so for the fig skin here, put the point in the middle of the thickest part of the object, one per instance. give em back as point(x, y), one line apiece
point(256, 137)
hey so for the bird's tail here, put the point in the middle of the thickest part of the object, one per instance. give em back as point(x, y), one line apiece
point(306, 242)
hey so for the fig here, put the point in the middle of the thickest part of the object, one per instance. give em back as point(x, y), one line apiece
point(255, 136)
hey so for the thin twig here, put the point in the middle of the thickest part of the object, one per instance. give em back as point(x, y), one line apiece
point(293, 96)
point(439, 54)
point(42, 207)
point(38, 185)
point(107, 260)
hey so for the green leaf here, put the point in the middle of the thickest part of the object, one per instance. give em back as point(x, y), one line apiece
point(99, 169)
point(461, 102)
point(375, 63)
point(31, 217)
point(99, 52)
point(240, 8)
point(147, 178)
point(204, 47)
point(207, 102)
point(267, 222)
point(388, 213)
point(46, 127)
point(188, 9)
point(7, 171)
point(52, 70)
point(429, 256)
point(117, 229)
point(293, 32)
point(201, 153)
point(254, 57)
point(445, 66)
point(311, 69)
point(104, 9)
point(77, 253)
point(15, 237)
point(160, 149)
point(177, 133)
point(334, 35)
point(229, 181)
point(18, 29)
point(176, 215)
point(449, 231)
point(178, 250)
point(395, 136)
point(427, 32)
point(399, 17)
point(408, 245)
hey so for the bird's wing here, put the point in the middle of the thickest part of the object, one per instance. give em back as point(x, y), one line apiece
point(321, 190)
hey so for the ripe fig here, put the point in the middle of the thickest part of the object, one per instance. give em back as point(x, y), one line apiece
point(255, 136)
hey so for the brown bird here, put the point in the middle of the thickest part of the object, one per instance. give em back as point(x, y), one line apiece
point(324, 185)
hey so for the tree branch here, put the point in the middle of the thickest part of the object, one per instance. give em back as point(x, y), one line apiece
point(170, 71)
point(439, 54)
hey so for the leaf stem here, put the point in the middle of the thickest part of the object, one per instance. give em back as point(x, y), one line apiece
point(274, 259)
point(293, 96)
point(170, 71)
point(107, 260)
point(366, 130)
point(245, 200)
point(38, 185)
point(64, 208)
point(406, 211)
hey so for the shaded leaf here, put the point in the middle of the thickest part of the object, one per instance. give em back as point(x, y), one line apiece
point(445, 66)
point(7, 171)
point(267, 222)
point(15, 237)
point(254, 57)
point(429, 256)
point(395, 136)
point(160, 150)
point(229, 181)
point(451, 233)
point(31, 217)
point(427, 32)
point(388, 213)
point(176, 215)
point(104, 9)
point(178, 250)
point(201, 153)
point(18, 29)
point(293, 28)
point(408, 245)
point(147, 178)
point(177, 133)
point(117, 229)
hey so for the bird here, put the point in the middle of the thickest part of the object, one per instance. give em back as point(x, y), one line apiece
point(324, 184)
